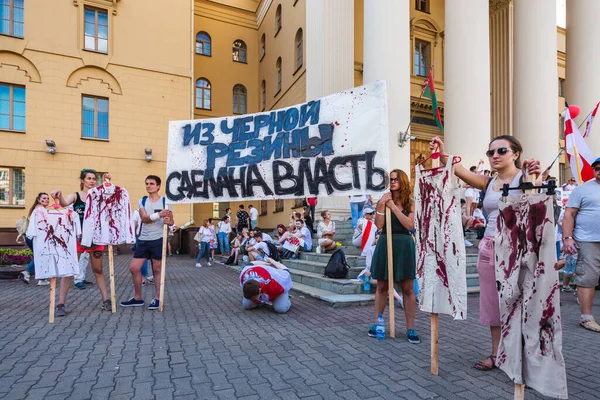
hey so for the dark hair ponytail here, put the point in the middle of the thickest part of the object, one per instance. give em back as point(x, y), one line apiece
point(515, 146)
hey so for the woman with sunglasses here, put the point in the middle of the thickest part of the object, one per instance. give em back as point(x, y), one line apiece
point(400, 202)
point(504, 155)
point(87, 181)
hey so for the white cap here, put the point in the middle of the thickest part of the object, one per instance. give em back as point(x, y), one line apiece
point(368, 210)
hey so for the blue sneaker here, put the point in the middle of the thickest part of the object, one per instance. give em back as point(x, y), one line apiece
point(86, 283)
point(412, 336)
point(372, 331)
point(80, 285)
point(132, 302)
point(154, 304)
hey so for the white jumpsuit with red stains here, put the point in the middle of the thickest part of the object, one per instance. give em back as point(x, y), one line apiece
point(441, 260)
point(530, 349)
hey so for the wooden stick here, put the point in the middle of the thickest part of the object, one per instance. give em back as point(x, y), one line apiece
point(52, 300)
point(434, 344)
point(111, 272)
point(163, 269)
point(519, 391)
point(388, 233)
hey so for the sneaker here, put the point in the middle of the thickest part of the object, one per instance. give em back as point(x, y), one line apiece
point(107, 305)
point(43, 282)
point(294, 257)
point(198, 265)
point(412, 336)
point(590, 324)
point(567, 289)
point(80, 285)
point(153, 304)
point(468, 244)
point(87, 283)
point(150, 279)
point(60, 311)
point(25, 276)
point(208, 263)
point(132, 302)
point(144, 283)
point(372, 332)
point(169, 255)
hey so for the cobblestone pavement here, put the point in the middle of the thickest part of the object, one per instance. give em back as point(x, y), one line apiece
point(204, 346)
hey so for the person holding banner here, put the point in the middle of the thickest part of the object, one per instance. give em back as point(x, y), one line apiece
point(399, 201)
point(504, 155)
point(155, 214)
point(87, 181)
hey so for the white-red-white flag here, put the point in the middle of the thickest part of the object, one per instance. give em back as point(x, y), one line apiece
point(579, 154)
point(589, 120)
point(368, 235)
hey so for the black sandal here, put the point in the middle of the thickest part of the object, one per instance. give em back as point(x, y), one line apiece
point(484, 366)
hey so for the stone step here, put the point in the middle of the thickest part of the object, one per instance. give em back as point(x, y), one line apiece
point(354, 260)
point(334, 299)
point(317, 267)
point(317, 280)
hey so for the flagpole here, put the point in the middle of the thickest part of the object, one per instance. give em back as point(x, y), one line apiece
point(412, 115)
point(577, 163)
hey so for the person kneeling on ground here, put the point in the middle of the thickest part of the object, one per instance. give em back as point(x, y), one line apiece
point(266, 283)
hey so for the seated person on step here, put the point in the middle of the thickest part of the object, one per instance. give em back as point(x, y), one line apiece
point(304, 234)
point(266, 283)
point(258, 251)
point(365, 226)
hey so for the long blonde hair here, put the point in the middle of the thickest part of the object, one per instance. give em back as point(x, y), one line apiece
point(405, 191)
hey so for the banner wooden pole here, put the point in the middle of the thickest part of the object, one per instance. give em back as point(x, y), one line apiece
point(519, 391)
point(388, 234)
point(52, 300)
point(111, 272)
point(163, 269)
point(434, 344)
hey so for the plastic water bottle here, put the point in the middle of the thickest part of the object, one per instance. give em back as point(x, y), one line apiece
point(367, 284)
point(380, 328)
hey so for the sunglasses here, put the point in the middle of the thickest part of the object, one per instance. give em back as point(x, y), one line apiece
point(597, 169)
point(501, 151)
point(394, 180)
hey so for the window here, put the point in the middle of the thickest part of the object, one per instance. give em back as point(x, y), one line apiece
point(263, 207)
point(239, 99)
point(96, 30)
point(299, 48)
point(263, 46)
point(203, 94)
point(12, 186)
point(94, 118)
point(561, 87)
point(421, 58)
point(422, 5)
point(279, 205)
point(239, 51)
point(278, 75)
point(278, 20)
point(12, 107)
point(12, 17)
point(263, 94)
point(203, 44)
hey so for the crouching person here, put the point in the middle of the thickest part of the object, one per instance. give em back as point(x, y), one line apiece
point(266, 283)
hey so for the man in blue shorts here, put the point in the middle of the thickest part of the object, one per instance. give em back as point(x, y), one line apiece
point(154, 215)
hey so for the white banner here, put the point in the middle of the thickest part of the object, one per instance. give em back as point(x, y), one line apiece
point(333, 146)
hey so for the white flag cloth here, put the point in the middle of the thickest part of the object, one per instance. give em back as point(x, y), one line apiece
point(589, 120)
point(578, 152)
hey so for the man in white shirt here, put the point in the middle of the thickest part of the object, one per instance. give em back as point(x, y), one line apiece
point(303, 233)
point(259, 251)
point(266, 283)
point(253, 216)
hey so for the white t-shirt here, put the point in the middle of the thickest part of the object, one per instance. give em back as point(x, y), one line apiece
point(267, 238)
point(224, 227)
point(204, 235)
point(478, 214)
point(253, 214)
point(358, 198)
point(263, 247)
point(307, 236)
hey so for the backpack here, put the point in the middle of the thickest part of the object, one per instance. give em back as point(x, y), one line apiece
point(337, 266)
point(273, 250)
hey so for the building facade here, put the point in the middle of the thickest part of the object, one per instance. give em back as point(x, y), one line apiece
point(105, 78)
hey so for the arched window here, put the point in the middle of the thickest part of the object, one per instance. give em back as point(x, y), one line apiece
point(203, 44)
point(278, 19)
point(299, 53)
point(203, 94)
point(239, 51)
point(278, 74)
point(263, 95)
point(239, 99)
point(263, 46)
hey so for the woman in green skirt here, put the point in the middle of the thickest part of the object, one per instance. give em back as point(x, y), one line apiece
point(399, 201)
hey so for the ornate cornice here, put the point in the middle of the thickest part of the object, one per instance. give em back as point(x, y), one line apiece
point(496, 5)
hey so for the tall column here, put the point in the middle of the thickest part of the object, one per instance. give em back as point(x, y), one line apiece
point(536, 80)
point(387, 57)
point(330, 64)
point(467, 80)
point(583, 62)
